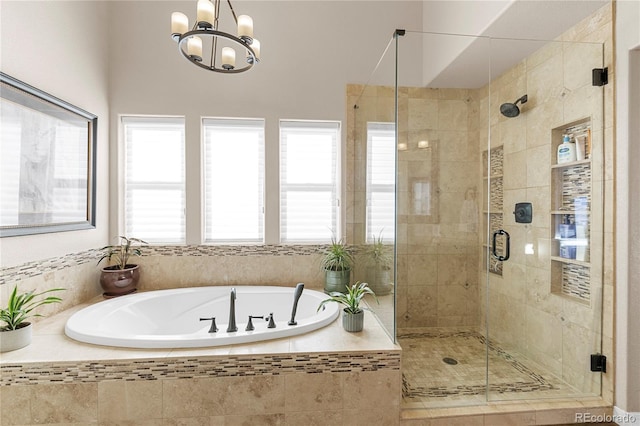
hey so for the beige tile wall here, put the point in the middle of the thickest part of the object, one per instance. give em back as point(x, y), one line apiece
point(79, 273)
point(523, 315)
point(355, 398)
point(439, 266)
point(437, 253)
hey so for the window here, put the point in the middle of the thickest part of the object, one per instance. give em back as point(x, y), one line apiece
point(154, 179)
point(233, 180)
point(381, 166)
point(309, 153)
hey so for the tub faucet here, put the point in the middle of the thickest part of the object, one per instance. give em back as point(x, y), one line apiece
point(232, 312)
point(296, 296)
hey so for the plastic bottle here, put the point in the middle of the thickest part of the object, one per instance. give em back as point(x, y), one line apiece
point(580, 147)
point(566, 151)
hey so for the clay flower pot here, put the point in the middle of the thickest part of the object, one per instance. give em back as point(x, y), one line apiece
point(118, 282)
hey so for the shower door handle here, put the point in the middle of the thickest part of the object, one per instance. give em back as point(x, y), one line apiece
point(506, 247)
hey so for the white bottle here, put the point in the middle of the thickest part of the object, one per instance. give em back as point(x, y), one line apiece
point(580, 147)
point(566, 151)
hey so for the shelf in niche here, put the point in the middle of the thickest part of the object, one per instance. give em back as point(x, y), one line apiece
point(571, 164)
point(488, 212)
point(574, 212)
point(571, 261)
point(573, 298)
point(493, 177)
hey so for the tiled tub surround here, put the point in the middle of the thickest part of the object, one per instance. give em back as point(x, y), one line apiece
point(171, 267)
point(325, 377)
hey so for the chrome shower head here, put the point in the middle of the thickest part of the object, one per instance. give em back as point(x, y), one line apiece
point(512, 110)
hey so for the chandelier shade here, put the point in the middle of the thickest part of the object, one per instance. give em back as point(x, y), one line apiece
point(208, 46)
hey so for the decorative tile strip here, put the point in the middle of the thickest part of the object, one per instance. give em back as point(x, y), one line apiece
point(194, 367)
point(497, 161)
point(576, 281)
point(34, 269)
point(576, 187)
point(232, 250)
point(496, 194)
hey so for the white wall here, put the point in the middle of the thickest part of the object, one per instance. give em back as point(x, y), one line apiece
point(627, 362)
point(310, 51)
point(60, 47)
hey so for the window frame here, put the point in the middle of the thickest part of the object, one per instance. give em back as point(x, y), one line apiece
point(125, 183)
point(335, 186)
point(255, 122)
point(374, 127)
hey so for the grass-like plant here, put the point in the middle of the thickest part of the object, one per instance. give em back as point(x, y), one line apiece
point(379, 253)
point(337, 257)
point(351, 299)
point(120, 253)
point(20, 307)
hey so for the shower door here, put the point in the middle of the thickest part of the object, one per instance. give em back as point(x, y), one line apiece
point(543, 220)
point(496, 290)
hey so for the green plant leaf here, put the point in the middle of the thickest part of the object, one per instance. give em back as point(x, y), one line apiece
point(351, 299)
point(20, 307)
point(120, 253)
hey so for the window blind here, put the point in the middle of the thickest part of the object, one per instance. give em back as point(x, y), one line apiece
point(309, 176)
point(380, 182)
point(233, 180)
point(154, 179)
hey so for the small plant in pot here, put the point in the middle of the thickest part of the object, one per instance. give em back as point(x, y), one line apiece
point(16, 333)
point(378, 270)
point(337, 262)
point(121, 277)
point(352, 313)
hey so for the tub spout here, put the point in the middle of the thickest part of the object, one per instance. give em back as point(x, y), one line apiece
point(232, 312)
point(296, 296)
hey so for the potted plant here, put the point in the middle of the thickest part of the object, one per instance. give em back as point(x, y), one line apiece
point(16, 333)
point(336, 263)
point(121, 277)
point(379, 263)
point(352, 313)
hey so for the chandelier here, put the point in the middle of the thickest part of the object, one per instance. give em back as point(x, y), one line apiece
point(206, 36)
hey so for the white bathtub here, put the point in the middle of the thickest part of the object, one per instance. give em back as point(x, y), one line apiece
point(171, 318)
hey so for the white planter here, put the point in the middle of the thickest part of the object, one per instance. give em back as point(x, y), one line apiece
point(15, 339)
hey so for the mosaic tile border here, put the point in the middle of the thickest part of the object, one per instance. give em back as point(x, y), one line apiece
point(537, 382)
point(576, 281)
point(196, 367)
point(34, 269)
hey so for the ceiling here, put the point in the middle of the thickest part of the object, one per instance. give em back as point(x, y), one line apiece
point(470, 62)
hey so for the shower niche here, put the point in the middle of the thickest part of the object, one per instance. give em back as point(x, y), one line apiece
point(493, 161)
point(571, 216)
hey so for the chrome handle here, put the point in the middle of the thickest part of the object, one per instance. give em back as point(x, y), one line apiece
point(506, 247)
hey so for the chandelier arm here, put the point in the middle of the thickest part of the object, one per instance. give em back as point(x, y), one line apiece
point(216, 14)
point(214, 51)
point(233, 12)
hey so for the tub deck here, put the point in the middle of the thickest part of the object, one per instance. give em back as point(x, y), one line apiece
point(51, 345)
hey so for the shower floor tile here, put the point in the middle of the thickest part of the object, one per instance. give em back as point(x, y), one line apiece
point(445, 368)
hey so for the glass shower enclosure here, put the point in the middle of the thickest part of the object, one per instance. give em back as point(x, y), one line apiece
point(460, 172)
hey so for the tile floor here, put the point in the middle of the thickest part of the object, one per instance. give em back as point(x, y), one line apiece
point(447, 367)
